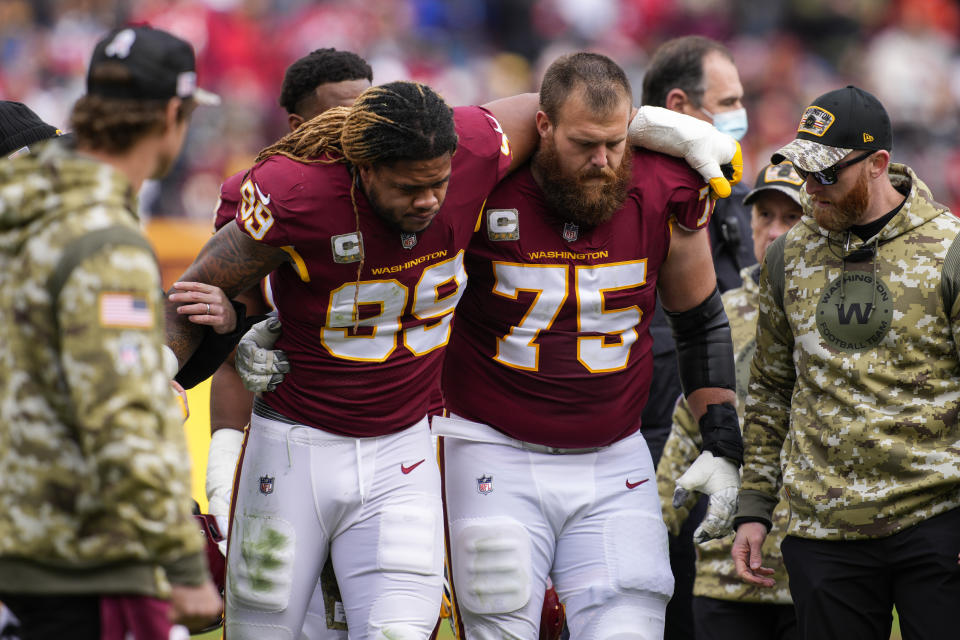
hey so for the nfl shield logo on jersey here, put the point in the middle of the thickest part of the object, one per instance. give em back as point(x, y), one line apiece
point(408, 240)
point(485, 484)
point(571, 231)
point(266, 485)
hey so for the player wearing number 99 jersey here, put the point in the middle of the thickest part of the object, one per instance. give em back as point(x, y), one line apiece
point(363, 215)
point(408, 284)
point(545, 472)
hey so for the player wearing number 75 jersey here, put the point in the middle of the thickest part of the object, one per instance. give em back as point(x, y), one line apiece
point(365, 213)
point(544, 468)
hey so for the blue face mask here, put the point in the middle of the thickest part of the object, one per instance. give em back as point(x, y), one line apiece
point(733, 123)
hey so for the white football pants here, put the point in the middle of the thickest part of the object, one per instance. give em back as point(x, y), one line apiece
point(590, 521)
point(373, 504)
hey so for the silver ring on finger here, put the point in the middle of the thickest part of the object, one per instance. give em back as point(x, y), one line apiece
point(208, 308)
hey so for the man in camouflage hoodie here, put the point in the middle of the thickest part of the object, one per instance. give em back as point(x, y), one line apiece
point(854, 388)
point(723, 606)
point(96, 534)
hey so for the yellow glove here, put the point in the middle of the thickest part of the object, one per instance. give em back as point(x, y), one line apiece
point(704, 148)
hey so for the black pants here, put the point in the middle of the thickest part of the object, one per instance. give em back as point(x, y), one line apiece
point(56, 617)
point(731, 620)
point(683, 563)
point(847, 590)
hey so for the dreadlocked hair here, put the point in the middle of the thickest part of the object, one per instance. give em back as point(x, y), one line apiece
point(390, 123)
point(386, 124)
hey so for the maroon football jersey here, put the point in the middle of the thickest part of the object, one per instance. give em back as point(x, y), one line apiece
point(551, 342)
point(378, 378)
point(227, 205)
point(229, 199)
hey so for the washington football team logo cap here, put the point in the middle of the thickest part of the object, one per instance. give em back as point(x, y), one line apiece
point(781, 177)
point(834, 125)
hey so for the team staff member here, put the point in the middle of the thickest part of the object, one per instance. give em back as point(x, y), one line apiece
point(854, 386)
point(545, 470)
point(95, 520)
point(723, 606)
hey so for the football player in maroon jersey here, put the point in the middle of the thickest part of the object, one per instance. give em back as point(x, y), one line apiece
point(368, 250)
point(320, 80)
point(545, 472)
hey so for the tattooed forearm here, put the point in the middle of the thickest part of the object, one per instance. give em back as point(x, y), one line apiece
point(230, 260)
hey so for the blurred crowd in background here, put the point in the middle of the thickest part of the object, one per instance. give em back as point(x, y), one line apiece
point(907, 52)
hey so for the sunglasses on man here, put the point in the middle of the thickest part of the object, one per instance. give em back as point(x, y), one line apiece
point(830, 175)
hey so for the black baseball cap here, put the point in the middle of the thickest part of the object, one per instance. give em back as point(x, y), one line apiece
point(781, 177)
point(20, 127)
point(161, 66)
point(834, 125)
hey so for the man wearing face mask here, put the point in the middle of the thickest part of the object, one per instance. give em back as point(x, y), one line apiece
point(695, 76)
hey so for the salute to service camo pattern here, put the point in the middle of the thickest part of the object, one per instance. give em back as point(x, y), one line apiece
point(82, 382)
point(716, 574)
point(859, 359)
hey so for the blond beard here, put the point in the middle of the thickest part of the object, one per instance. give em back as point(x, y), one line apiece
point(846, 211)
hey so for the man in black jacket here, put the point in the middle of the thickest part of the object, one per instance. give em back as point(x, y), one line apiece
point(696, 76)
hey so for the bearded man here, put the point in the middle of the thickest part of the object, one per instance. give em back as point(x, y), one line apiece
point(857, 369)
point(545, 473)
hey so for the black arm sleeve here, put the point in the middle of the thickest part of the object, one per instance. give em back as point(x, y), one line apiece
point(214, 349)
point(704, 346)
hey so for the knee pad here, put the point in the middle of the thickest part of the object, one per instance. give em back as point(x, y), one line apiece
point(404, 616)
point(260, 563)
point(253, 631)
point(491, 564)
point(409, 539)
point(626, 619)
point(398, 632)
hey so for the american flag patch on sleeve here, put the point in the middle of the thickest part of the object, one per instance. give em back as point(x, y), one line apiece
point(125, 310)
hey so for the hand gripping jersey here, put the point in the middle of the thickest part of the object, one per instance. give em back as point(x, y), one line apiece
point(551, 344)
point(379, 378)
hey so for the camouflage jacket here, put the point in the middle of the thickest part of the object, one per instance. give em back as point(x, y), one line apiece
point(94, 469)
point(858, 360)
point(716, 576)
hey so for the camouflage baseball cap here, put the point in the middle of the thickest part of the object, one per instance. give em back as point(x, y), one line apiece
point(834, 125)
point(159, 66)
point(781, 177)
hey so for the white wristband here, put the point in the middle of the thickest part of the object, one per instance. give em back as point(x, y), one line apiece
point(171, 365)
point(222, 458)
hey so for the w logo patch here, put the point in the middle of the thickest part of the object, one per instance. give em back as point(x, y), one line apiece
point(855, 314)
point(846, 312)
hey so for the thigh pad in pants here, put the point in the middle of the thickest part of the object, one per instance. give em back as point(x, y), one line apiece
point(491, 564)
point(259, 577)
